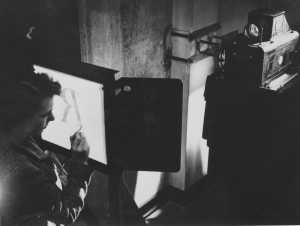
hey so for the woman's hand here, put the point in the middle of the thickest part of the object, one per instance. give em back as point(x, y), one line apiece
point(79, 147)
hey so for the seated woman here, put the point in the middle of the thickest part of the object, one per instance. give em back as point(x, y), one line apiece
point(35, 188)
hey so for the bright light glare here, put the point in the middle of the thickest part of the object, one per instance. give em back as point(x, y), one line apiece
point(197, 150)
point(147, 186)
point(253, 30)
point(196, 145)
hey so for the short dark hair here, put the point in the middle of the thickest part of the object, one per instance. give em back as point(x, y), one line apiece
point(42, 85)
point(21, 97)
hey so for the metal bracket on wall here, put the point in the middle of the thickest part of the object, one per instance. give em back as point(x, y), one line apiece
point(197, 33)
point(205, 46)
point(181, 59)
point(194, 36)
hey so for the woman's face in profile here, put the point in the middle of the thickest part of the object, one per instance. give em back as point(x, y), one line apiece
point(39, 121)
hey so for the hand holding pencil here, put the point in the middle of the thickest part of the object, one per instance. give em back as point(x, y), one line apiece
point(79, 146)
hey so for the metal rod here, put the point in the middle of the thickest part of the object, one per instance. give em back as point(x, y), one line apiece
point(206, 53)
point(204, 31)
point(226, 36)
point(208, 42)
point(184, 60)
point(183, 35)
point(198, 33)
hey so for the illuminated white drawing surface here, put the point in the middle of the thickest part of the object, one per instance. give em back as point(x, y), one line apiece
point(80, 105)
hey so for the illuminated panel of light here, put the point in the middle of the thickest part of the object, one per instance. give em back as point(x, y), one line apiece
point(197, 150)
point(81, 105)
point(196, 145)
point(147, 185)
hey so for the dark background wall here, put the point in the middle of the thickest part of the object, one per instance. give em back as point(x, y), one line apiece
point(233, 13)
point(100, 33)
point(291, 7)
point(143, 24)
point(56, 31)
point(125, 35)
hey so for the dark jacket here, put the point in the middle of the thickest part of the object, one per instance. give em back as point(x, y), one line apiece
point(35, 187)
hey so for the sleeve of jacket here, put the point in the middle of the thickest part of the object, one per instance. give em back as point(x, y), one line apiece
point(41, 196)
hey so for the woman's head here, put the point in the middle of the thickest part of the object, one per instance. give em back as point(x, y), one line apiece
point(27, 102)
